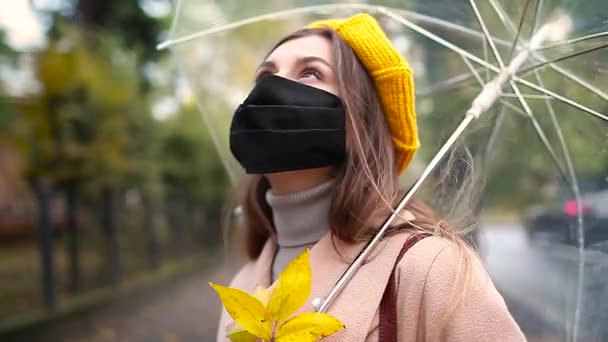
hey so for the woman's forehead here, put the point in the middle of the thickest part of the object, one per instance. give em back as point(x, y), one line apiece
point(297, 48)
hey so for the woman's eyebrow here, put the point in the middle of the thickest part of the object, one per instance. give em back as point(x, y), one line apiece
point(267, 64)
point(308, 59)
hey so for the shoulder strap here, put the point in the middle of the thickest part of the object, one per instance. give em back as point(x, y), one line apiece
point(388, 304)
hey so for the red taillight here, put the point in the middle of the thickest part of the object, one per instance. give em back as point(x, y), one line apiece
point(571, 208)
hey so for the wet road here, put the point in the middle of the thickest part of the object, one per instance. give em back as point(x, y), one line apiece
point(539, 280)
point(182, 310)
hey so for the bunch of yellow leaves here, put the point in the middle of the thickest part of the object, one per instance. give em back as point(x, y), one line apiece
point(266, 314)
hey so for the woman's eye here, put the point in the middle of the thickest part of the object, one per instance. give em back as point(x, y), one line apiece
point(310, 73)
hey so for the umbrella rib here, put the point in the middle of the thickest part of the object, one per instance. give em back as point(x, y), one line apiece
point(519, 27)
point(173, 28)
point(440, 40)
point(580, 224)
point(568, 74)
point(320, 8)
point(528, 96)
point(513, 108)
point(561, 98)
point(573, 41)
point(580, 233)
point(446, 24)
point(494, 134)
point(539, 5)
point(486, 33)
point(540, 133)
point(561, 58)
point(564, 72)
point(581, 253)
point(445, 84)
point(502, 15)
point(267, 16)
point(573, 185)
point(473, 70)
point(485, 56)
point(489, 66)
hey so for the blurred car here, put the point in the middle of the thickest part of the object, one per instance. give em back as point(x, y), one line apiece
point(561, 223)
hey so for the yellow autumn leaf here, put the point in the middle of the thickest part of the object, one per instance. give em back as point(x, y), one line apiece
point(263, 294)
point(308, 327)
point(239, 334)
point(246, 311)
point(292, 290)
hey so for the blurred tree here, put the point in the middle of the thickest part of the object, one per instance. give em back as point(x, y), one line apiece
point(7, 112)
point(125, 20)
point(93, 109)
point(192, 172)
point(137, 32)
point(13, 187)
point(91, 132)
point(80, 122)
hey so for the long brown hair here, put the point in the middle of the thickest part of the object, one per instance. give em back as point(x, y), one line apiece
point(367, 183)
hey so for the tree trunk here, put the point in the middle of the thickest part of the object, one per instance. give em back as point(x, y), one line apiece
point(74, 281)
point(153, 245)
point(110, 225)
point(178, 224)
point(43, 191)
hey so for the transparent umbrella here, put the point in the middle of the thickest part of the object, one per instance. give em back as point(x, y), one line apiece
point(517, 85)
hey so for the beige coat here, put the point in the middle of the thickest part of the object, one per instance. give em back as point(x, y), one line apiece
point(426, 277)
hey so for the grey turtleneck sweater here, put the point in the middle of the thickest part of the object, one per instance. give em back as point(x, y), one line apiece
point(301, 219)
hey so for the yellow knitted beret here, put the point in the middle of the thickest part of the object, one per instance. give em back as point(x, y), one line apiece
point(391, 74)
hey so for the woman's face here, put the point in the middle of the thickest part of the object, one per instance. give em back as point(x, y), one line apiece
point(307, 60)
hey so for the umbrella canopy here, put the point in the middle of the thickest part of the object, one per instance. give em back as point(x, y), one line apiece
point(539, 145)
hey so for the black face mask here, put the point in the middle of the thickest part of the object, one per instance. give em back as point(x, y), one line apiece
point(285, 125)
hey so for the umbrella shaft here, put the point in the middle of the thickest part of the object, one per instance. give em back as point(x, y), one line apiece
point(489, 94)
point(322, 304)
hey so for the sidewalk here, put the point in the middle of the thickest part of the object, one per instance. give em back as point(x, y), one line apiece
point(184, 310)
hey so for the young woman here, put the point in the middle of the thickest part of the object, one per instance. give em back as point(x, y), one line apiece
point(324, 136)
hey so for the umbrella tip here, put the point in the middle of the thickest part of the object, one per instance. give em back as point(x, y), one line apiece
point(163, 45)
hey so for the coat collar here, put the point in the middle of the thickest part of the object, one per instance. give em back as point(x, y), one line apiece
point(329, 258)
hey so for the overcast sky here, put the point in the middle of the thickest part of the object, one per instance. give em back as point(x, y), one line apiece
point(22, 28)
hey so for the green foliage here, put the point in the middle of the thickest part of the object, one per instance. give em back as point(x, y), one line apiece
point(7, 54)
point(8, 117)
point(8, 114)
point(77, 128)
point(190, 164)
